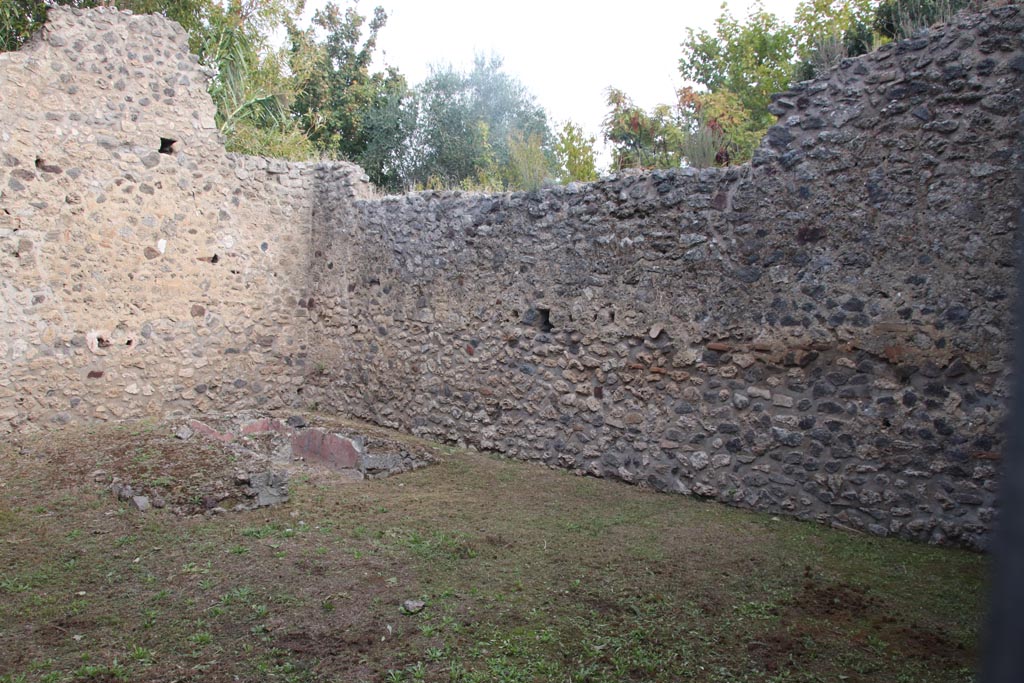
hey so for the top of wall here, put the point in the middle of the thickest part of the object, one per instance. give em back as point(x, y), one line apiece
point(926, 85)
point(153, 87)
point(870, 175)
point(872, 100)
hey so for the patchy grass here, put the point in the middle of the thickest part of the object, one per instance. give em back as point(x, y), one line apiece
point(528, 574)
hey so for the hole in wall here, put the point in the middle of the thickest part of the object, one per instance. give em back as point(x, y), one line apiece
point(544, 319)
point(539, 318)
point(128, 343)
point(102, 342)
point(167, 145)
point(47, 167)
point(215, 259)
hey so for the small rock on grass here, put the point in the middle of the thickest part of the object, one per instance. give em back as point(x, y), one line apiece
point(141, 503)
point(296, 421)
point(413, 606)
point(184, 433)
point(121, 490)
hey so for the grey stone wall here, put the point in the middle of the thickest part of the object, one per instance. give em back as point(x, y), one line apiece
point(823, 332)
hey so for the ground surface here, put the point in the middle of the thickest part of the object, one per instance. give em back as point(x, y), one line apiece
point(527, 574)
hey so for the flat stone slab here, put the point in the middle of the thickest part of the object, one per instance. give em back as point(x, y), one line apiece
point(292, 440)
point(318, 446)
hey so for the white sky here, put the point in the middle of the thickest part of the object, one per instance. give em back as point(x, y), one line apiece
point(566, 52)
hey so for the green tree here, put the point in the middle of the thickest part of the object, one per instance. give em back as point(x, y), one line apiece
point(249, 90)
point(897, 19)
point(505, 104)
point(700, 129)
point(752, 59)
point(641, 139)
point(574, 155)
point(467, 125)
point(739, 66)
point(829, 30)
point(718, 129)
point(450, 144)
point(529, 166)
point(19, 19)
point(347, 110)
point(389, 126)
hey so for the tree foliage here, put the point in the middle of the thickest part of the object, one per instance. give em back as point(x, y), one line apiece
point(716, 117)
point(752, 59)
point(897, 19)
point(736, 69)
point(641, 139)
point(19, 19)
point(249, 87)
point(347, 110)
point(829, 30)
point(574, 155)
point(528, 163)
point(740, 64)
point(477, 130)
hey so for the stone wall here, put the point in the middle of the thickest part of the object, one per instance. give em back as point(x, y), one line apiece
point(823, 332)
point(142, 270)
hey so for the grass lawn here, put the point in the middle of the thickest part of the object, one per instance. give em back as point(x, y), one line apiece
point(527, 574)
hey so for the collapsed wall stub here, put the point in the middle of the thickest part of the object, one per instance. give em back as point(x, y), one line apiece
point(823, 332)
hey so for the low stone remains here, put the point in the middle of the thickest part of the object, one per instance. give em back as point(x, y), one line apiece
point(824, 332)
point(293, 441)
point(265, 453)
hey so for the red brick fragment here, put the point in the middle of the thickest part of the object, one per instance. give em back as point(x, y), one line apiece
point(264, 425)
point(209, 432)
